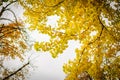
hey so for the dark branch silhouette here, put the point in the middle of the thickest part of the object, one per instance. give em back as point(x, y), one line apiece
point(106, 28)
point(16, 71)
point(13, 14)
point(4, 8)
point(6, 19)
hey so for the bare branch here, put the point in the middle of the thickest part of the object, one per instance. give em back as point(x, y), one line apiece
point(4, 8)
point(10, 4)
point(16, 71)
point(7, 19)
point(1, 12)
point(13, 14)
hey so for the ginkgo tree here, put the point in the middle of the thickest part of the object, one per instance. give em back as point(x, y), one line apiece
point(95, 23)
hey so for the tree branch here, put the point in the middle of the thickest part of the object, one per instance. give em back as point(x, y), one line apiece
point(13, 14)
point(10, 3)
point(16, 71)
point(7, 19)
point(55, 4)
point(4, 8)
point(106, 28)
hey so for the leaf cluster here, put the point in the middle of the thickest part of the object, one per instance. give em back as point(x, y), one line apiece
point(78, 20)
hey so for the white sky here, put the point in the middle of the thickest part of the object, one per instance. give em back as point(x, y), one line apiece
point(52, 21)
point(49, 68)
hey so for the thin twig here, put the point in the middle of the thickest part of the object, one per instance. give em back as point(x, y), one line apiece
point(7, 19)
point(13, 14)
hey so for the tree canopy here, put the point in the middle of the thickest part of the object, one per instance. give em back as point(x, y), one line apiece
point(94, 23)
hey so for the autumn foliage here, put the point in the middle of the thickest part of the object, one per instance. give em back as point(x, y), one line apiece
point(85, 21)
point(13, 42)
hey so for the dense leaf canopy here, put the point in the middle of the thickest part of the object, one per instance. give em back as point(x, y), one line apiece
point(83, 20)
